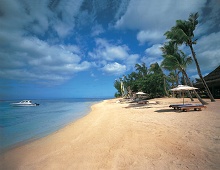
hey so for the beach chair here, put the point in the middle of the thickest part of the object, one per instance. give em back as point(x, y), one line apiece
point(143, 102)
point(195, 107)
point(177, 106)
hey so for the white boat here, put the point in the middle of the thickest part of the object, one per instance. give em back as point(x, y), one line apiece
point(25, 103)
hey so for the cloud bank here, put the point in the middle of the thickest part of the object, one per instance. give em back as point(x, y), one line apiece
point(50, 41)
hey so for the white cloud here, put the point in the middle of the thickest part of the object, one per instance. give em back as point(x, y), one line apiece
point(153, 55)
point(149, 15)
point(207, 51)
point(150, 36)
point(131, 60)
point(106, 52)
point(114, 68)
point(40, 16)
point(36, 59)
point(122, 8)
point(153, 18)
point(97, 30)
point(109, 51)
point(154, 50)
point(62, 29)
point(194, 77)
point(23, 55)
point(33, 35)
point(81, 66)
point(151, 60)
point(63, 16)
point(209, 21)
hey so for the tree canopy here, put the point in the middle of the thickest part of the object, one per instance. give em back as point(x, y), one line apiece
point(153, 81)
point(150, 81)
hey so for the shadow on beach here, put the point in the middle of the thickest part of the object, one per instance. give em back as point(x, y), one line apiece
point(136, 105)
point(167, 110)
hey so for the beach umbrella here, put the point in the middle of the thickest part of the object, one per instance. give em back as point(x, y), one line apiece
point(141, 93)
point(183, 88)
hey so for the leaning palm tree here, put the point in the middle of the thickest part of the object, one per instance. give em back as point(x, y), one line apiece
point(176, 59)
point(168, 49)
point(183, 32)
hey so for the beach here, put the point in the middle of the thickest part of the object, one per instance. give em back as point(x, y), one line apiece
point(121, 135)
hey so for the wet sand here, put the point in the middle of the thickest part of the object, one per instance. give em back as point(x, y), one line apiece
point(127, 136)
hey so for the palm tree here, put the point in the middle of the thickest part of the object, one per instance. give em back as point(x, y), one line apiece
point(117, 85)
point(173, 77)
point(142, 69)
point(130, 81)
point(176, 59)
point(183, 32)
point(156, 69)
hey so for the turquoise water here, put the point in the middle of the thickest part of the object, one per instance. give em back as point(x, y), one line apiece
point(21, 124)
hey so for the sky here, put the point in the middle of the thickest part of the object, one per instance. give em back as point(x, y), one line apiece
point(78, 48)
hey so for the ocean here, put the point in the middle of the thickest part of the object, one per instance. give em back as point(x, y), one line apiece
point(22, 124)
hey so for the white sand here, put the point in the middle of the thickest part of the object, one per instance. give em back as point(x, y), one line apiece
point(122, 136)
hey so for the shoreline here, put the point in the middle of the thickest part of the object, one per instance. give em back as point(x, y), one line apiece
point(115, 136)
point(44, 135)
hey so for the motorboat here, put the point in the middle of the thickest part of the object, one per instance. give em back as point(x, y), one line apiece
point(25, 103)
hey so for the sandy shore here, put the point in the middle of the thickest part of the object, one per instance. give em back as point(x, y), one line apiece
point(122, 136)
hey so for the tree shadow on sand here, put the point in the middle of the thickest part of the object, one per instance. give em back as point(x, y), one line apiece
point(167, 110)
point(136, 105)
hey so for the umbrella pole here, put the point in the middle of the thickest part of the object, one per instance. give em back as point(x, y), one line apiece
point(183, 97)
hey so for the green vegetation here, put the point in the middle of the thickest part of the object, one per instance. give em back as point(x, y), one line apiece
point(183, 33)
point(153, 81)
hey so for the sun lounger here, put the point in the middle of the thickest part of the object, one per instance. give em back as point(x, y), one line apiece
point(195, 107)
point(177, 106)
point(143, 102)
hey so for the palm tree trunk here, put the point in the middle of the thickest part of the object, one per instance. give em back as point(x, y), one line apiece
point(177, 78)
point(177, 83)
point(189, 94)
point(164, 84)
point(197, 95)
point(200, 74)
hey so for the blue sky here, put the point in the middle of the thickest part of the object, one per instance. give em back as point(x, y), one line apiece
point(77, 48)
